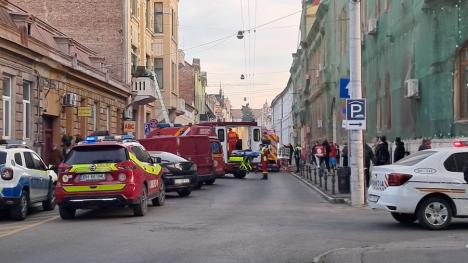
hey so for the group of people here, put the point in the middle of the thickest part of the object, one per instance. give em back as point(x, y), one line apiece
point(329, 154)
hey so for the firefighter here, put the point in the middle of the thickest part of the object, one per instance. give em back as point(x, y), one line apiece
point(264, 155)
point(232, 140)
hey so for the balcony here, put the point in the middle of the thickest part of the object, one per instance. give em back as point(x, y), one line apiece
point(144, 90)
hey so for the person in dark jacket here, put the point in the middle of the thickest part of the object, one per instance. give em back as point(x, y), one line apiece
point(344, 154)
point(399, 150)
point(297, 157)
point(368, 157)
point(291, 152)
point(382, 155)
point(326, 157)
point(425, 145)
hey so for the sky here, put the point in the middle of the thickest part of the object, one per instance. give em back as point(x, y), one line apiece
point(263, 56)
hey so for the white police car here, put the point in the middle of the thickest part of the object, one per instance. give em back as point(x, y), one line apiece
point(24, 180)
point(429, 186)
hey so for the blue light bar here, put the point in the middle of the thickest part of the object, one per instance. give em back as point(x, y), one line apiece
point(91, 139)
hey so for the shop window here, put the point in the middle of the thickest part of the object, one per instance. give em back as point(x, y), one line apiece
point(7, 85)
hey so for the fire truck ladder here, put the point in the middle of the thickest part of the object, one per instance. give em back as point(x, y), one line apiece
point(161, 100)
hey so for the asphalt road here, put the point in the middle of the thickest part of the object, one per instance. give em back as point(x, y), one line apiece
point(279, 220)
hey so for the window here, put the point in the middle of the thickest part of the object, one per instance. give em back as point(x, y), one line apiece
point(148, 117)
point(108, 117)
point(462, 91)
point(256, 135)
point(6, 105)
point(215, 148)
point(173, 23)
point(456, 162)
point(415, 158)
point(95, 117)
point(18, 159)
point(26, 109)
point(141, 154)
point(102, 154)
point(134, 60)
point(158, 69)
point(133, 7)
point(173, 77)
point(28, 159)
point(38, 164)
point(148, 10)
point(158, 17)
point(221, 135)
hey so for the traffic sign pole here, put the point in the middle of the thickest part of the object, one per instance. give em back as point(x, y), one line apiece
point(355, 136)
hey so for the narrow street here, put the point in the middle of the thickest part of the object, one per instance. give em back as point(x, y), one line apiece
point(279, 220)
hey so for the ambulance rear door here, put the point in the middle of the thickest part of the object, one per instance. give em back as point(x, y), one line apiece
point(221, 132)
point(255, 140)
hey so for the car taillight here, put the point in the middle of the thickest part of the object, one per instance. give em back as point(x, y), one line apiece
point(126, 165)
point(396, 179)
point(122, 177)
point(64, 168)
point(7, 173)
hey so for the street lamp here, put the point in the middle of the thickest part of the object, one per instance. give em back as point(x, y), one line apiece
point(240, 34)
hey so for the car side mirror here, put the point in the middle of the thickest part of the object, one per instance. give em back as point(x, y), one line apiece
point(157, 159)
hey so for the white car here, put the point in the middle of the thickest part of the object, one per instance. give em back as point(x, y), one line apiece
point(429, 186)
point(24, 180)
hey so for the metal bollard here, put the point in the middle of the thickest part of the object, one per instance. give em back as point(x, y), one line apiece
point(326, 180)
point(320, 177)
point(333, 181)
point(309, 172)
point(315, 175)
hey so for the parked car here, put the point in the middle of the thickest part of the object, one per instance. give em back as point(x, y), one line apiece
point(109, 171)
point(428, 186)
point(24, 180)
point(180, 175)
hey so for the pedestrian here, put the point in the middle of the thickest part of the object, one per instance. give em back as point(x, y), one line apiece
point(425, 145)
point(56, 158)
point(399, 150)
point(376, 143)
point(368, 157)
point(344, 154)
point(314, 153)
point(325, 156)
point(291, 153)
point(264, 159)
point(332, 156)
point(382, 155)
point(297, 157)
point(338, 154)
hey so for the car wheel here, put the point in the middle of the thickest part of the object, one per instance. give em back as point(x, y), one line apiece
point(404, 218)
point(435, 213)
point(20, 211)
point(210, 182)
point(141, 208)
point(240, 174)
point(184, 192)
point(66, 212)
point(161, 199)
point(49, 204)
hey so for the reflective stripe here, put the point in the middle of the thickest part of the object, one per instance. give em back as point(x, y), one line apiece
point(152, 169)
point(93, 188)
point(98, 168)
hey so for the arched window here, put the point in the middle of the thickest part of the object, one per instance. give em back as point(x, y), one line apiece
point(461, 78)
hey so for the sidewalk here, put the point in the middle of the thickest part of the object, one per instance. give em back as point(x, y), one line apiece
point(450, 249)
point(327, 186)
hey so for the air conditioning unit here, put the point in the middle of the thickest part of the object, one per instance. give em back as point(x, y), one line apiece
point(412, 89)
point(128, 113)
point(69, 100)
point(372, 26)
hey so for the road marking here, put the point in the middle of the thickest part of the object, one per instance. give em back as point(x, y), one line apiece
point(26, 227)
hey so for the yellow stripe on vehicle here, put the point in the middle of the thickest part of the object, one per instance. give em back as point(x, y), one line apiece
point(93, 188)
point(152, 169)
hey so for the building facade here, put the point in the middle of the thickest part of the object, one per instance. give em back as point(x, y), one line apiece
point(281, 108)
point(414, 70)
point(136, 34)
point(45, 77)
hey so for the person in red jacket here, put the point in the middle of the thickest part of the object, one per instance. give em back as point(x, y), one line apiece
point(264, 159)
point(332, 156)
point(232, 140)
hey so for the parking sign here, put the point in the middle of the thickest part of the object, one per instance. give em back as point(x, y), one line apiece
point(356, 114)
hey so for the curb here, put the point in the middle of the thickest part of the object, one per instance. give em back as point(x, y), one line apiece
point(329, 198)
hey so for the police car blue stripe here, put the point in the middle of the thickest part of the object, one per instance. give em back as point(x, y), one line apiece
point(15, 192)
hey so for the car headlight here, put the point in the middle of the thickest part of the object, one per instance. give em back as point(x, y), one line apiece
point(193, 168)
point(178, 166)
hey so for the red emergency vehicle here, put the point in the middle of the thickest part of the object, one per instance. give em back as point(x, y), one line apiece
point(195, 143)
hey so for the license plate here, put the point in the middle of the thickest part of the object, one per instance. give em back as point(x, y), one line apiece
point(182, 181)
point(373, 198)
point(92, 177)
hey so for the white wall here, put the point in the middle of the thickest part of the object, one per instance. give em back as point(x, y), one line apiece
point(282, 117)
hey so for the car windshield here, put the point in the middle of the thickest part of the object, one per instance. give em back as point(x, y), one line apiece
point(415, 158)
point(3, 156)
point(93, 154)
point(168, 157)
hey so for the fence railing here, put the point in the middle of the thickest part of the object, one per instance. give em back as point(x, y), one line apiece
point(325, 179)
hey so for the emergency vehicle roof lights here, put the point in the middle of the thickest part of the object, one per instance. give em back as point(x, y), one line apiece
point(459, 143)
point(91, 139)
